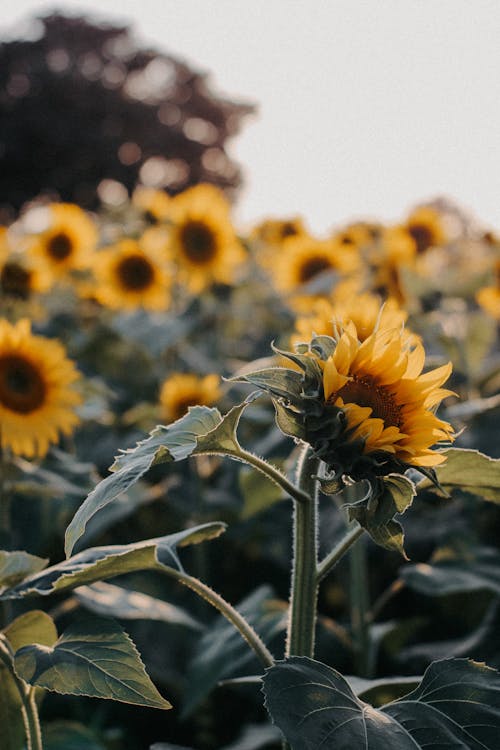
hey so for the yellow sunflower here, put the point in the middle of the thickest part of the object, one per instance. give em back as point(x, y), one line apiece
point(202, 239)
point(425, 227)
point(489, 296)
point(358, 235)
point(37, 400)
point(128, 275)
point(182, 390)
point(276, 231)
point(387, 401)
point(154, 204)
point(68, 241)
point(362, 308)
point(307, 258)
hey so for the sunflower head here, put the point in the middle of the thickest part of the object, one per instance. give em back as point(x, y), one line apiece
point(364, 406)
point(202, 240)
point(37, 398)
point(68, 240)
point(182, 390)
point(425, 227)
point(152, 203)
point(130, 275)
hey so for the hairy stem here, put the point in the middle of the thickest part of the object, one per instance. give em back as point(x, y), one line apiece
point(271, 472)
point(230, 613)
point(353, 533)
point(304, 587)
point(359, 608)
point(29, 710)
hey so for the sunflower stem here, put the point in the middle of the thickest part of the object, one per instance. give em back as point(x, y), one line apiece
point(271, 472)
point(353, 532)
point(359, 608)
point(304, 587)
point(230, 613)
point(29, 709)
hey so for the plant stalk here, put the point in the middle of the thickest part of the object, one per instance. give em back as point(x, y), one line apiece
point(29, 709)
point(304, 587)
point(360, 603)
point(230, 613)
point(353, 533)
point(272, 473)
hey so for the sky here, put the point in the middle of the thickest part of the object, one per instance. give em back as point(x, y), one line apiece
point(365, 107)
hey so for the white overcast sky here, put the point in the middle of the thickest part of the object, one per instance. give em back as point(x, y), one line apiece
point(365, 106)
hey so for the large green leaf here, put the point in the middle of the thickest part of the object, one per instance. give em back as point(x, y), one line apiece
point(94, 658)
point(222, 652)
point(457, 705)
point(451, 573)
point(15, 566)
point(31, 627)
point(115, 601)
point(470, 471)
point(100, 563)
point(202, 430)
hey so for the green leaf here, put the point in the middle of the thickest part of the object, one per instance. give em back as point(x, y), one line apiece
point(202, 430)
point(17, 565)
point(376, 509)
point(221, 651)
point(114, 601)
point(280, 382)
point(457, 705)
point(32, 627)
point(255, 737)
point(470, 471)
point(450, 572)
point(100, 563)
point(11, 720)
point(383, 690)
point(94, 658)
point(69, 735)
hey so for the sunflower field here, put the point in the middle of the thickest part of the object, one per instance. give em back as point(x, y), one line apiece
point(250, 479)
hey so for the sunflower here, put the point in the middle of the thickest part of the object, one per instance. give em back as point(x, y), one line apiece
point(358, 235)
point(488, 297)
point(363, 308)
point(68, 240)
point(387, 402)
point(202, 239)
point(182, 390)
point(37, 401)
point(277, 231)
point(128, 275)
point(307, 258)
point(425, 227)
point(153, 204)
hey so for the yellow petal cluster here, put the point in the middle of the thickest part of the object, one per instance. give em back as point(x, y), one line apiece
point(37, 398)
point(182, 390)
point(388, 401)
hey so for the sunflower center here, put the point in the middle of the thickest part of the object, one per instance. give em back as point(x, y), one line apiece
point(15, 280)
point(423, 236)
point(198, 242)
point(22, 389)
point(288, 229)
point(59, 246)
point(136, 273)
point(364, 392)
point(312, 267)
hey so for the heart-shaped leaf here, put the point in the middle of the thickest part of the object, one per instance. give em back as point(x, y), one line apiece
point(457, 705)
point(94, 658)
